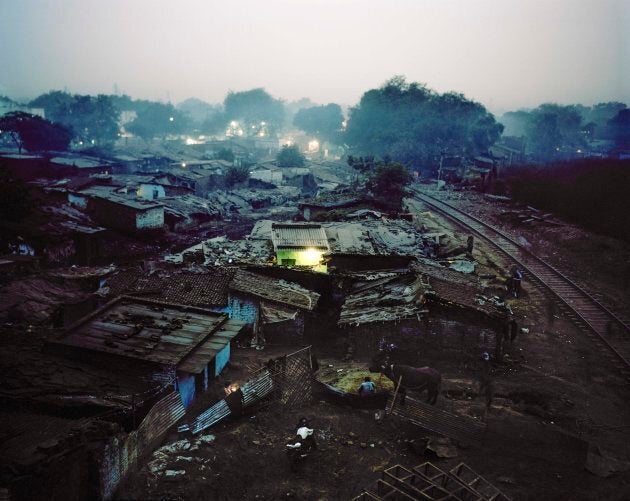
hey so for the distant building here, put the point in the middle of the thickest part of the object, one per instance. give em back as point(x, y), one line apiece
point(266, 173)
point(198, 176)
point(116, 211)
point(81, 165)
point(300, 245)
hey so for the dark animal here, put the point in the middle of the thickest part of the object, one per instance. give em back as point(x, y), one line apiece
point(413, 378)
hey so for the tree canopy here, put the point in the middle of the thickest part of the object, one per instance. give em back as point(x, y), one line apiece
point(225, 154)
point(620, 127)
point(158, 119)
point(324, 122)
point(92, 119)
point(253, 107)
point(414, 124)
point(387, 182)
point(290, 156)
point(235, 175)
point(34, 133)
point(551, 130)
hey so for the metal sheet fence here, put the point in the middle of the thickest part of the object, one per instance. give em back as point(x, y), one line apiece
point(120, 454)
point(283, 381)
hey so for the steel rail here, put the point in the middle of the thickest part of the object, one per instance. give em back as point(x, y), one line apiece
point(582, 305)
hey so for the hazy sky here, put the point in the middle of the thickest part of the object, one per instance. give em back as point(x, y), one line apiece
point(503, 53)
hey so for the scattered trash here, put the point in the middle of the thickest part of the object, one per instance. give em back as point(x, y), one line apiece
point(206, 439)
point(181, 445)
point(463, 266)
point(174, 474)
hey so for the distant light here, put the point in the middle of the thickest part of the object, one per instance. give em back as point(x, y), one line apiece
point(240, 132)
point(261, 134)
point(171, 119)
point(263, 123)
point(313, 145)
point(233, 123)
point(183, 164)
point(579, 151)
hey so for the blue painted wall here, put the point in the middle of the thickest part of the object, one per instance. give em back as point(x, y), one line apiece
point(186, 387)
point(221, 359)
point(243, 308)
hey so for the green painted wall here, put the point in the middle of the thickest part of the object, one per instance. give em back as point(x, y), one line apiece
point(302, 257)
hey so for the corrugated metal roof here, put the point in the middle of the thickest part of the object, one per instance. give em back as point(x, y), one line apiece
point(148, 330)
point(205, 352)
point(273, 289)
point(297, 236)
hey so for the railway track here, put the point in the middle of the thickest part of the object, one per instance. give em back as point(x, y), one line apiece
point(586, 311)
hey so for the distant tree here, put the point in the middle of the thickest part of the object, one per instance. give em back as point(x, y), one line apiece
point(199, 111)
point(34, 133)
point(253, 107)
point(553, 130)
point(56, 105)
point(158, 119)
point(363, 164)
point(620, 126)
point(323, 122)
point(388, 182)
point(225, 154)
point(290, 156)
point(236, 175)
point(92, 119)
point(414, 124)
point(601, 114)
point(215, 124)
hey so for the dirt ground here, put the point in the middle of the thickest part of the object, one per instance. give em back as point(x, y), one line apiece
point(557, 404)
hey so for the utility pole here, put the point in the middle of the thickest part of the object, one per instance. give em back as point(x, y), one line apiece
point(439, 171)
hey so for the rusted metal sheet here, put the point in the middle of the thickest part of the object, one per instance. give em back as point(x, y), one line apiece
point(161, 417)
point(141, 329)
point(211, 416)
point(253, 391)
point(257, 388)
point(430, 418)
